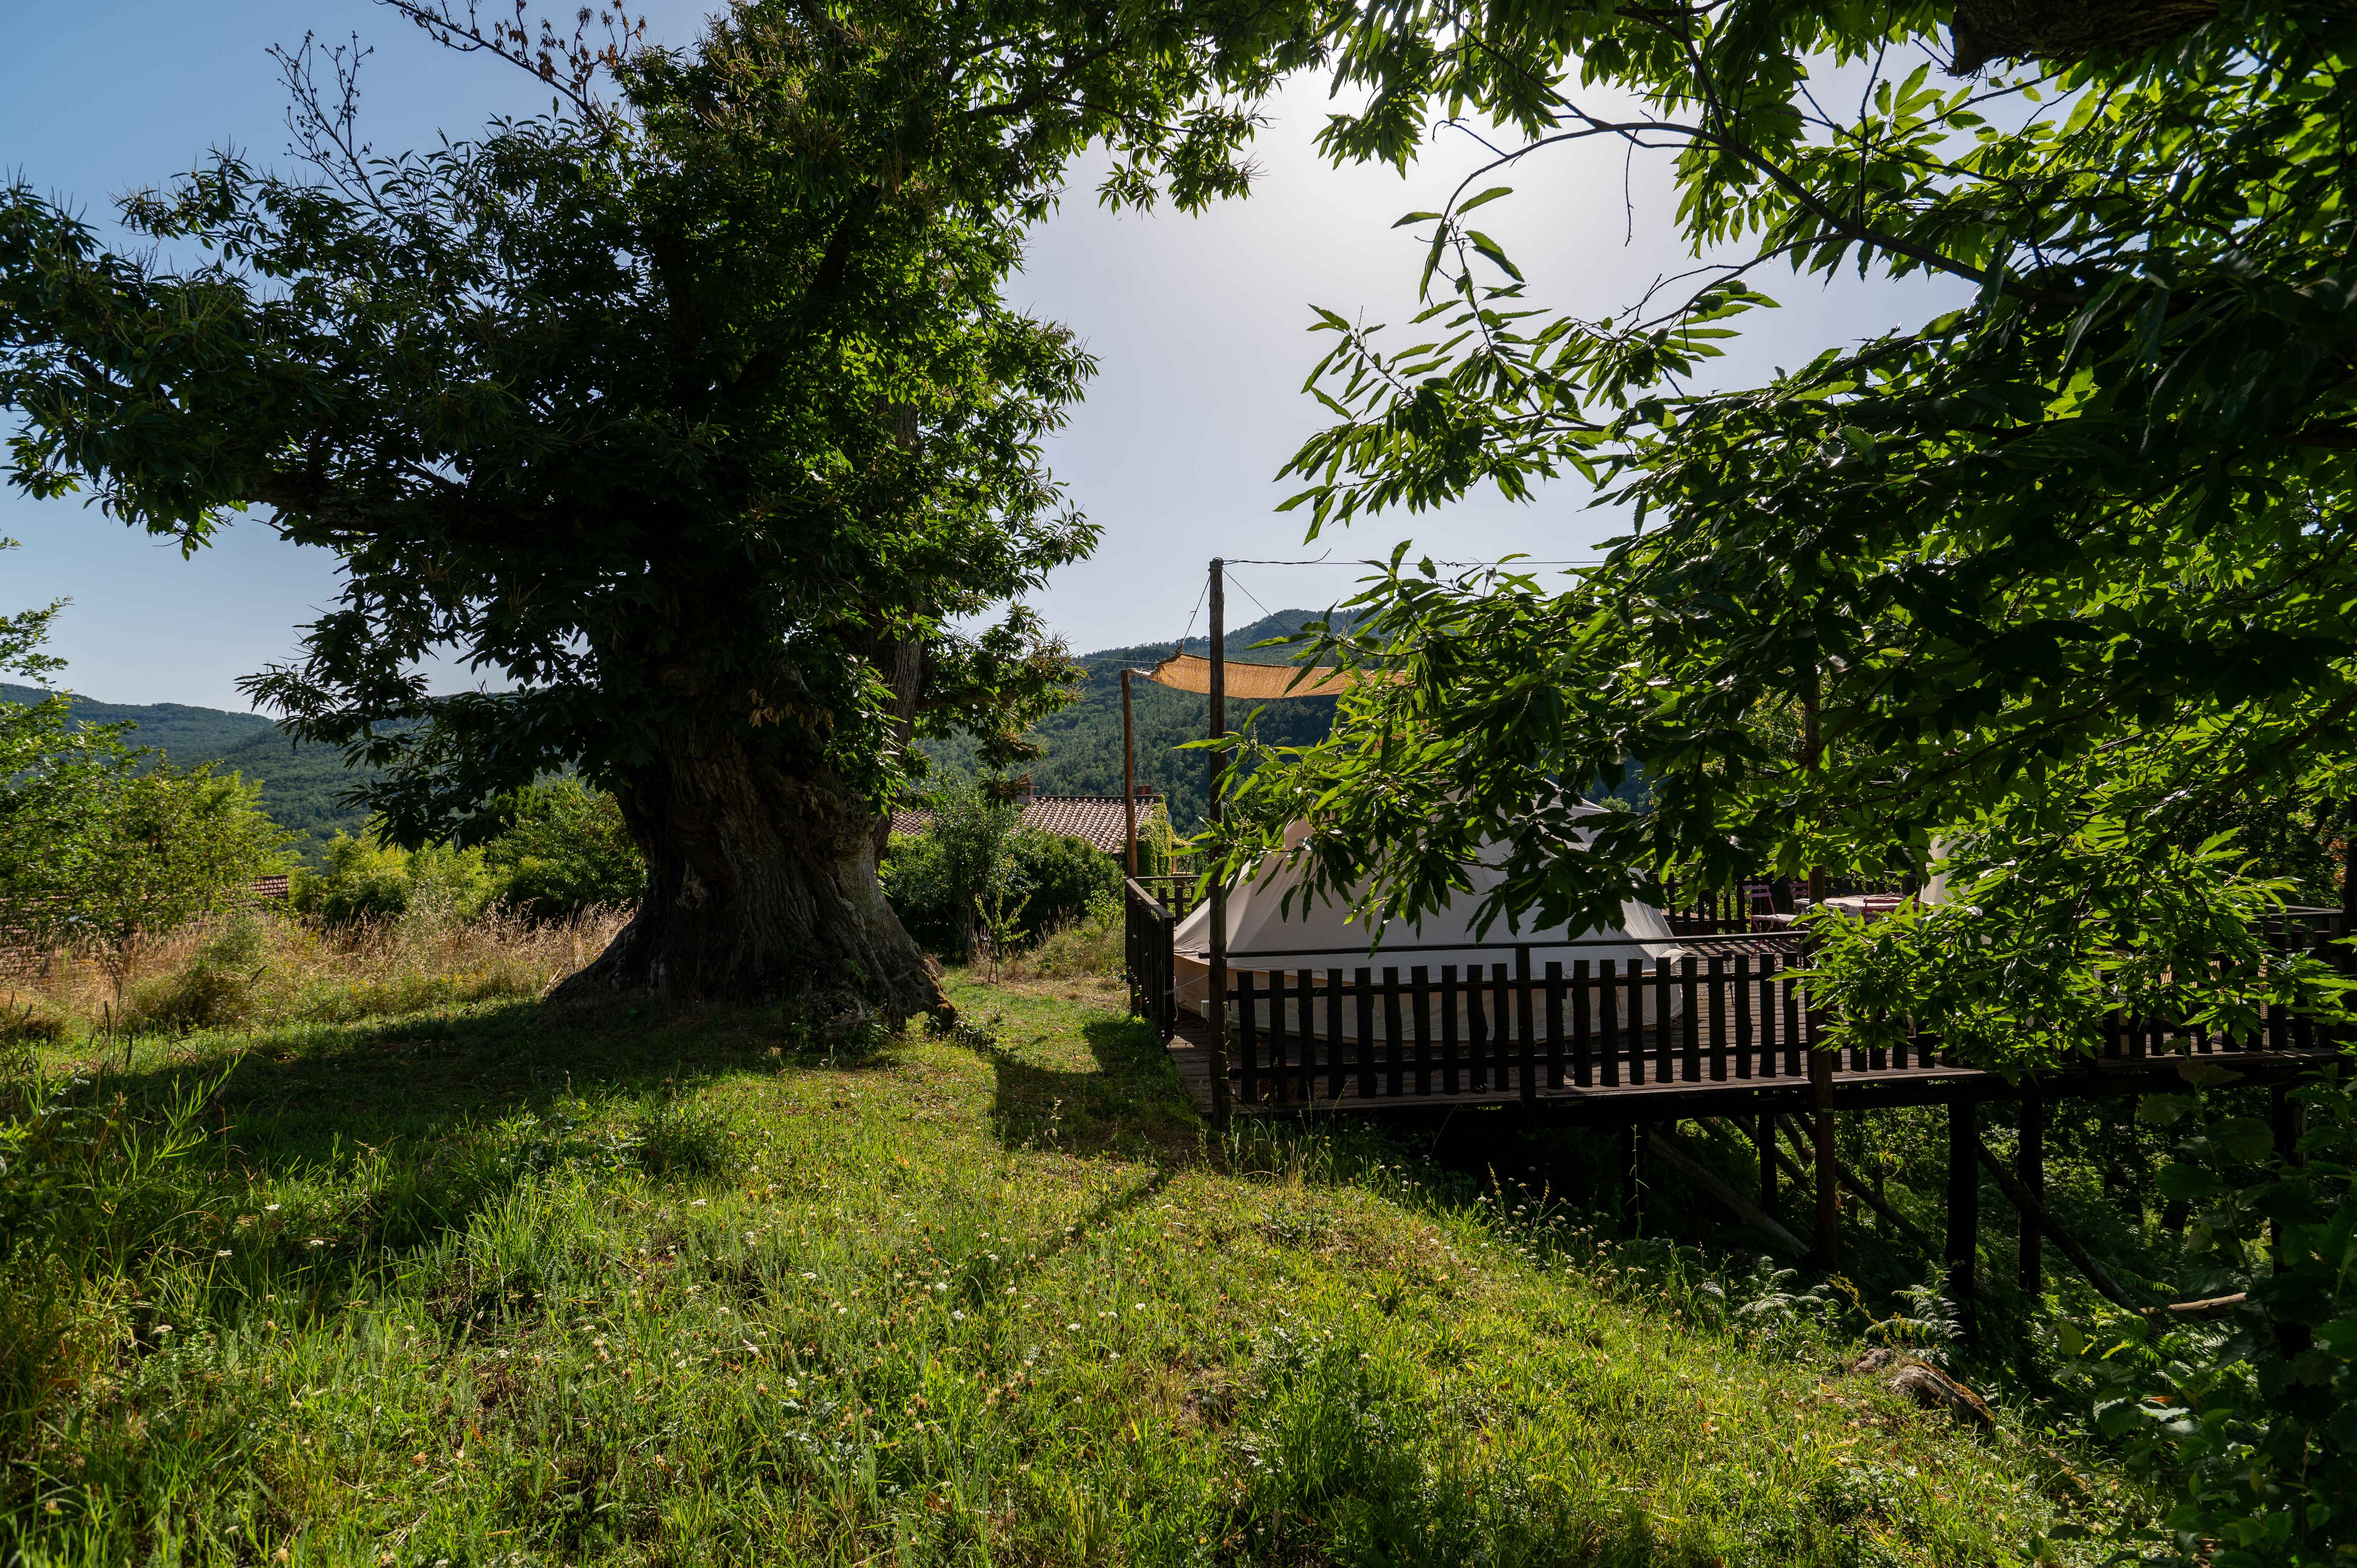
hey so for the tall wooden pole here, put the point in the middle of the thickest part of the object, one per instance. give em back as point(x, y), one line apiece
point(1128, 776)
point(1218, 1062)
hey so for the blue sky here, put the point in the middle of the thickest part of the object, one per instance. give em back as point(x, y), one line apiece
point(1200, 324)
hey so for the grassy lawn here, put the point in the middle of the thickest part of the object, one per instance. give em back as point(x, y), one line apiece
point(509, 1285)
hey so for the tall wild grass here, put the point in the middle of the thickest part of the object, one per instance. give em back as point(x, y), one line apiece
point(260, 969)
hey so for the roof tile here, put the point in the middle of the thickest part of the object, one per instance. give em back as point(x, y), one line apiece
point(1097, 818)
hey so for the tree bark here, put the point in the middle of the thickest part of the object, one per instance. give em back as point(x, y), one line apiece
point(761, 885)
point(903, 664)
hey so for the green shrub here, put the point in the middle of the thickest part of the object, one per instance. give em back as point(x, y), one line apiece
point(1066, 875)
point(564, 848)
point(2248, 1424)
point(916, 883)
point(357, 880)
point(932, 878)
point(364, 881)
point(449, 885)
point(1060, 876)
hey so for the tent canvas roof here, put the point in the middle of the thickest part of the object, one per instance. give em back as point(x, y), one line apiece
point(1261, 683)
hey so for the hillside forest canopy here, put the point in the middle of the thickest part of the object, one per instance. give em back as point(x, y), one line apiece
point(690, 411)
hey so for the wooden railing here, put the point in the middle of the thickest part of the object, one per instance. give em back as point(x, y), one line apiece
point(1147, 925)
point(1518, 1026)
point(1525, 1022)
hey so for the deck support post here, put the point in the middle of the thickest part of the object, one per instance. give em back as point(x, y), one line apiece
point(1764, 1139)
point(2283, 1121)
point(2030, 1169)
point(1828, 1237)
point(2284, 1118)
point(1964, 1208)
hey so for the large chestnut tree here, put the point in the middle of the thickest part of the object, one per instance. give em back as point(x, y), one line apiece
point(689, 415)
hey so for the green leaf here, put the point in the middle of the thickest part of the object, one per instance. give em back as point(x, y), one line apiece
point(2182, 1183)
point(2243, 1137)
point(1488, 247)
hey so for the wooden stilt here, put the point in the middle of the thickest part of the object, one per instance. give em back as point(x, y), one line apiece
point(1863, 1193)
point(1828, 1237)
point(1964, 1208)
point(2283, 1117)
point(1765, 1138)
point(2030, 1169)
point(1664, 1143)
point(2035, 1213)
point(2281, 1112)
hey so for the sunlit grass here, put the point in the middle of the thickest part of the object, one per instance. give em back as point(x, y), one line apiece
point(515, 1286)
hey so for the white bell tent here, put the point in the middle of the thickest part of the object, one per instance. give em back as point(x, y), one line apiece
point(1265, 935)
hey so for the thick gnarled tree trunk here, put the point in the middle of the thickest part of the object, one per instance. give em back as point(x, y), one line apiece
point(760, 886)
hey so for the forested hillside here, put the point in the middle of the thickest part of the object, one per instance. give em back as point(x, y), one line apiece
point(299, 783)
point(1083, 741)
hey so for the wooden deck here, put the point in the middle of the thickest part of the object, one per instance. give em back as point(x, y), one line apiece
point(1728, 1028)
point(1767, 1088)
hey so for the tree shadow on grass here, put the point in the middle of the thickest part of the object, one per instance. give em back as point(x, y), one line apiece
point(1131, 1105)
point(386, 1135)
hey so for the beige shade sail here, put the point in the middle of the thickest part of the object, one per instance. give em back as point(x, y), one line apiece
point(1260, 682)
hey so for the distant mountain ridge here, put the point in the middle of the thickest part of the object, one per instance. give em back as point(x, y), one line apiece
point(299, 781)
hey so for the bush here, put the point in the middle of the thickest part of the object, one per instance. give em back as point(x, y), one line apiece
point(362, 881)
point(1066, 876)
point(564, 848)
point(111, 861)
point(915, 873)
point(1062, 878)
point(357, 881)
point(2248, 1424)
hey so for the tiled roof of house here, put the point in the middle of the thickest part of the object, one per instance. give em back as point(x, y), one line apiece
point(1097, 818)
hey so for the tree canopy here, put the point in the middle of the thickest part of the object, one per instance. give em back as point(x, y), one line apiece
point(690, 415)
point(2064, 575)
